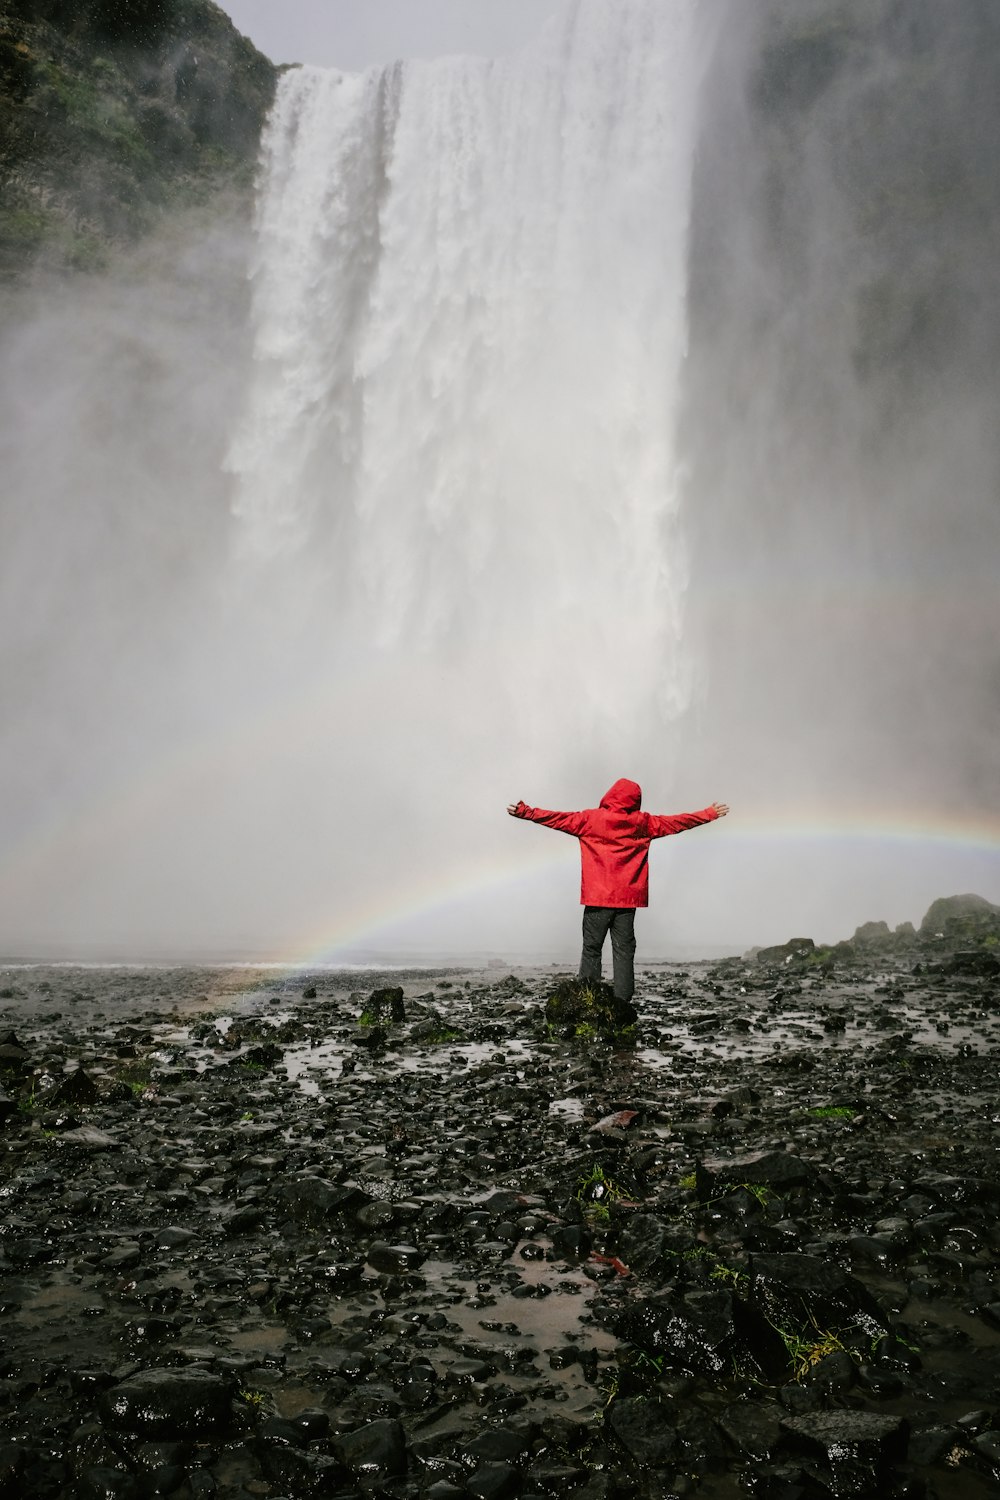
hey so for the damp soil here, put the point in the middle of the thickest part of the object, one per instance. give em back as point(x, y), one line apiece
point(251, 1246)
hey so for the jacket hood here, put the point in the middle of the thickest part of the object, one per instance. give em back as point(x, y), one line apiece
point(624, 796)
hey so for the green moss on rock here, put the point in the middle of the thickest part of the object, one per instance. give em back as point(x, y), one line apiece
point(587, 1009)
point(114, 113)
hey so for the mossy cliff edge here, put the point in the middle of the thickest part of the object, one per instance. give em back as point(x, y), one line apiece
point(114, 113)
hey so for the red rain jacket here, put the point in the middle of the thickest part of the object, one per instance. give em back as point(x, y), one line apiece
point(614, 842)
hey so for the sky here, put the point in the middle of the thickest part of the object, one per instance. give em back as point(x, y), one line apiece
point(353, 34)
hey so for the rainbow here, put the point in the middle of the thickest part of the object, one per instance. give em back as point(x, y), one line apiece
point(774, 830)
point(750, 833)
point(902, 827)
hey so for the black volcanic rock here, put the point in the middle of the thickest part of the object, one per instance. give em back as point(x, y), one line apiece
point(961, 920)
point(581, 1007)
point(316, 1281)
point(168, 1403)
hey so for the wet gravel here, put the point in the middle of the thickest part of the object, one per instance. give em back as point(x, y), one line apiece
point(253, 1247)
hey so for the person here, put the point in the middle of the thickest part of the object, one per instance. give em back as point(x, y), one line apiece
point(614, 858)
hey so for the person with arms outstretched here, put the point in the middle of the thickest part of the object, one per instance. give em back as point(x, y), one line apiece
point(614, 858)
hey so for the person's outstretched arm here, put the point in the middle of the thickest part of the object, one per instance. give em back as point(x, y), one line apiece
point(662, 825)
point(564, 822)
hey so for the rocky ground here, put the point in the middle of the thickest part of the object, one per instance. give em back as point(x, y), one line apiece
point(262, 1239)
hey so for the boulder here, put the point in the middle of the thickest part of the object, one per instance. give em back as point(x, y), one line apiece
point(167, 1403)
point(394, 1260)
point(695, 1333)
point(872, 935)
point(384, 1007)
point(645, 1430)
point(774, 1169)
point(654, 1247)
point(786, 953)
point(315, 1200)
point(977, 963)
point(803, 1294)
point(582, 1006)
point(753, 1427)
point(375, 1451)
point(76, 1088)
point(854, 1448)
point(961, 920)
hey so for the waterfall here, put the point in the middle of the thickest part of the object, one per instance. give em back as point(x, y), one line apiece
point(469, 315)
point(321, 594)
point(296, 596)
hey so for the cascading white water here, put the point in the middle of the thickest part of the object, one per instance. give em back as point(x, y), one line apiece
point(269, 709)
point(453, 573)
point(469, 317)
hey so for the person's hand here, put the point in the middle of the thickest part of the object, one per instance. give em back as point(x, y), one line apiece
point(720, 809)
point(512, 808)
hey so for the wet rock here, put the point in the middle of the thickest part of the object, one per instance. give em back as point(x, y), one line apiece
point(512, 986)
point(90, 1139)
point(374, 1039)
point(802, 1292)
point(786, 953)
point(317, 1200)
point(313, 1423)
point(434, 1028)
point(173, 1235)
point(264, 1055)
point(645, 1430)
point(295, 1472)
point(754, 1427)
point(872, 935)
point(775, 1169)
point(168, 1403)
point(494, 1481)
point(469, 1371)
point(877, 1249)
point(375, 1451)
point(501, 1445)
point(394, 1260)
point(959, 919)
point(930, 1445)
point(648, 1244)
point(243, 1221)
point(622, 1119)
point(574, 1241)
point(468, 1166)
point(104, 1483)
point(897, 1230)
point(979, 962)
point(13, 1057)
point(384, 1006)
point(77, 1089)
point(696, 1332)
point(856, 1448)
point(582, 1007)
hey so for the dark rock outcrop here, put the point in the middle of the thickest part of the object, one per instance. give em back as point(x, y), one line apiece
point(583, 1007)
point(111, 115)
point(961, 920)
point(168, 1403)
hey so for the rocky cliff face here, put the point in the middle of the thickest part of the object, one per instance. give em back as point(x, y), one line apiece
point(113, 112)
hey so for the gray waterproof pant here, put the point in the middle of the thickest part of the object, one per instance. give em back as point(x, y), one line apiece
point(620, 921)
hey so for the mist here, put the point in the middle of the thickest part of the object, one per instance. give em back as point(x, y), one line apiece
point(622, 408)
